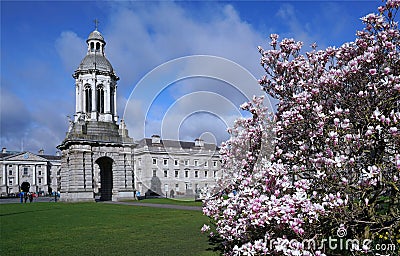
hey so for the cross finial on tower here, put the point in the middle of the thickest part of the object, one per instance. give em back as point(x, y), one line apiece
point(96, 23)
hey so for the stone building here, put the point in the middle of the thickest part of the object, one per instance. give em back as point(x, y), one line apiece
point(98, 158)
point(175, 168)
point(39, 171)
point(97, 153)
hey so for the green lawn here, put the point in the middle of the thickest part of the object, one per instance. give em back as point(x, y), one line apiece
point(187, 202)
point(100, 229)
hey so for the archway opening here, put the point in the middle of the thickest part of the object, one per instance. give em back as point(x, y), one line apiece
point(106, 178)
point(25, 186)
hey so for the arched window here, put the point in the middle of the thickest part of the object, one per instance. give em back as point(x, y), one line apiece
point(92, 47)
point(88, 99)
point(97, 47)
point(100, 99)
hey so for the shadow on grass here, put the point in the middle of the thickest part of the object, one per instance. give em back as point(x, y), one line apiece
point(16, 213)
point(215, 244)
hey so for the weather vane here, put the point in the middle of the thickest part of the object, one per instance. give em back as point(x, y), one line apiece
point(96, 23)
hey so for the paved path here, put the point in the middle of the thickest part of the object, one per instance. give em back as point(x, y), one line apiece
point(167, 206)
point(136, 203)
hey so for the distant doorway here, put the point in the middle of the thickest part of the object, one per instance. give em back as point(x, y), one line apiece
point(106, 178)
point(25, 186)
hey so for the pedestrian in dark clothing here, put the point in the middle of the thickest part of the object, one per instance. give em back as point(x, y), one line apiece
point(30, 197)
point(25, 196)
point(21, 196)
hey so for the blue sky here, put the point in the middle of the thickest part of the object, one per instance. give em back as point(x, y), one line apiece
point(43, 42)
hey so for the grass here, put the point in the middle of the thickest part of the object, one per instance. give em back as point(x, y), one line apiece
point(171, 201)
point(100, 229)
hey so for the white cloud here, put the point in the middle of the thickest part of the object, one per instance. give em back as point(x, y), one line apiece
point(71, 49)
point(141, 37)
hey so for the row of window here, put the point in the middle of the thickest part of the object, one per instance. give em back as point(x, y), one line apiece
point(188, 186)
point(24, 172)
point(176, 162)
point(11, 181)
point(196, 174)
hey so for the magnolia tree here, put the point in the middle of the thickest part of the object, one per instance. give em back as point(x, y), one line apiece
point(330, 185)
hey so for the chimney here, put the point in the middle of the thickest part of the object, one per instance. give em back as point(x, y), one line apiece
point(199, 143)
point(155, 139)
point(41, 151)
point(4, 150)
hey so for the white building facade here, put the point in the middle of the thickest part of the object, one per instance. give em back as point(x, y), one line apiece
point(40, 171)
point(175, 169)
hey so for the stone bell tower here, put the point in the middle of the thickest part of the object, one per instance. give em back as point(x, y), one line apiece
point(97, 153)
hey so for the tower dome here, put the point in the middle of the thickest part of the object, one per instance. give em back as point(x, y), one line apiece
point(95, 58)
point(95, 35)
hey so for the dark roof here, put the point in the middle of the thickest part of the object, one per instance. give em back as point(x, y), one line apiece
point(175, 144)
point(50, 157)
point(3, 155)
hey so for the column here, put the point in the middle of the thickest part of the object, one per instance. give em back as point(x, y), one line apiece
point(88, 171)
point(4, 174)
point(45, 174)
point(34, 175)
point(94, 98)
point(115, 103)
point(77, 98)
point(17, 176)
point(107, 92)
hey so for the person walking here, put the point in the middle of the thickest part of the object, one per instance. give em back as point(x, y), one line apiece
point(30, 197)
point(21, 196)
point(25, 196)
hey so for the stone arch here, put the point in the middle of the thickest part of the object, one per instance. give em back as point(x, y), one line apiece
point(106, 178)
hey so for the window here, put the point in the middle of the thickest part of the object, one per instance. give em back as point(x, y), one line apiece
point(186, 174)
point(176, 162)
point(154, 161)
point(165, 173)
point(139, 161)
point(206, 174)
point(10, 182)
point(196, 163)
point(40, 180)
point(165, 161)
point(215, 174)
point(196, 174)
point(186, 162)
point(206, 164)
point(10, 166)
point(215, 163)
point(39, 173)
point(100, 99)
point(10, 172)
point(154, 173)
point(176, 174)
point(177, 187)
point(25, 170)
point(88, 99)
